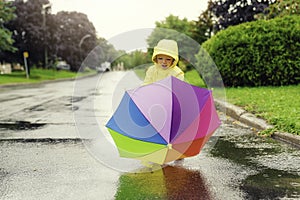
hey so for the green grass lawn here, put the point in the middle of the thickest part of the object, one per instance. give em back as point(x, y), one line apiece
point(38, 75)
point(193, 78)
point(280, 106)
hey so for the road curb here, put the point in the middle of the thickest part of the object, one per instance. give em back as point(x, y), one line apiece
point(288, 138)
point(251, 120)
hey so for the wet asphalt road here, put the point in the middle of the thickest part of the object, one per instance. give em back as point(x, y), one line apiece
point(42, 155)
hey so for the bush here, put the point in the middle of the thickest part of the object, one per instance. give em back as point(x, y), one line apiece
point(259, 53)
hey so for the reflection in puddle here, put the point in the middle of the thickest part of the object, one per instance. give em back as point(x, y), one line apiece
point(271, 184)
point(171, 182)
point(276, 176)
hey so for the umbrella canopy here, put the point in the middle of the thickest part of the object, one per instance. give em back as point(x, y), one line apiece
point(163, 121)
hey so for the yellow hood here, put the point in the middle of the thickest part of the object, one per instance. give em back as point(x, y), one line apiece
point(166, 47)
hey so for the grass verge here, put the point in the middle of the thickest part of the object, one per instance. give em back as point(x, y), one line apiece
point(279, 106)
point(39, 75)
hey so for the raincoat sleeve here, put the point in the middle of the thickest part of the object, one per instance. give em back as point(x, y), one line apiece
point(180, 76)
point(178, 73)
point(149, 77)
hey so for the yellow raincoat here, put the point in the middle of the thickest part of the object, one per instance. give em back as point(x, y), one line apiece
point(156, 72)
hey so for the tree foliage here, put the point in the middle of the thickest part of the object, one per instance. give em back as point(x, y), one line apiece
point(6, 14)
point(103, 52)
point(48, 37)
point(282, 8)
point(133, 59)
point(180, 30)
point(173, 23)
point(27, 30)
point(107, 50)
point(233, 12)
point(75, 37)
point(204, 26)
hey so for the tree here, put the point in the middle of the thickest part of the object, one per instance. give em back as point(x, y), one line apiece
point(282, 8)
point(176, 29)
point(173, 23)
point(68, 36)
point(204, 26)
point(28, 31)
point(103, 52)
point(108, 51)
point(133, 59)
point(6, 14)
point(233, 12)
point(75, 37)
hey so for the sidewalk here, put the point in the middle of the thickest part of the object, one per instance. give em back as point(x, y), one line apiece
point(251, 120)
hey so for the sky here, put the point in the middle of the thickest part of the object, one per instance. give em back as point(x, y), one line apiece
point(114, 17)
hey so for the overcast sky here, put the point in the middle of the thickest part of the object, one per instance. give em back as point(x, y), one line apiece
point(113, 17)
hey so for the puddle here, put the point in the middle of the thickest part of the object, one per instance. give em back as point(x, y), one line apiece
point(36, 108)
point(274, 178)
point(75, 99)
point(241, 149)
point(46, 141)
point(20, 125)
point(170, 182)
point(272, 184)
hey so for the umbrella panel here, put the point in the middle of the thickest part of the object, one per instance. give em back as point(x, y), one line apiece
point(187, 102)
point(204, 124)
point(158, 153)
point(129, 121)
point(155, 103)
point(129, 147)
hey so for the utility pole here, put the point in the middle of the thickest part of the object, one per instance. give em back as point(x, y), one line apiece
point(25, 56)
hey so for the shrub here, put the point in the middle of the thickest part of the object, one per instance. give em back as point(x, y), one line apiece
point(259, 53)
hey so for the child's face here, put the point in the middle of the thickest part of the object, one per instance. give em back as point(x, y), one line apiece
point(164, 61)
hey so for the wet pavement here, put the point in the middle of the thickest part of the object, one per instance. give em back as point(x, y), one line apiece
point(238, 166)
point(42, 155)
point(273, 167)
point(53, 170)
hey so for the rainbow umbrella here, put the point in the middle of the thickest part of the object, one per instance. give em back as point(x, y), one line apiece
point(163, 121)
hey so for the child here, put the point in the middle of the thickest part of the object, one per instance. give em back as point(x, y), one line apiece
point(165, 58)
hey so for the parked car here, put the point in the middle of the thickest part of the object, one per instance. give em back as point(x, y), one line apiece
point(104, 67)
point(62, 65)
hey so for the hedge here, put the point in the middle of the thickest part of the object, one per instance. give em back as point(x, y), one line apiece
point(258, 53)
